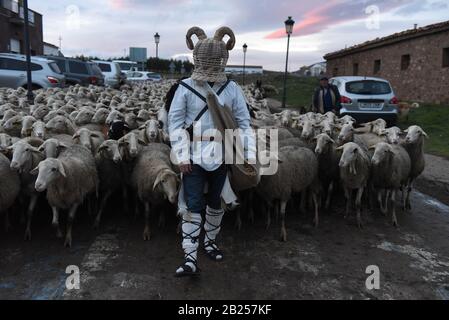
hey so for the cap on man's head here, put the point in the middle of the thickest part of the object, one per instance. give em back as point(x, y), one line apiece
point(324, 79)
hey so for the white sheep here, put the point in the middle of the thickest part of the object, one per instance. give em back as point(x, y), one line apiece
point(354, 174)
point(68, 179)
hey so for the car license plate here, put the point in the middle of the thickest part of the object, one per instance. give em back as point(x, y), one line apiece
point(368, 105)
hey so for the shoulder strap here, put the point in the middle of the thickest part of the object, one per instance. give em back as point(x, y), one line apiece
point(199, 95)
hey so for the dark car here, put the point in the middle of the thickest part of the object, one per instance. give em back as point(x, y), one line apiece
point(79, 72)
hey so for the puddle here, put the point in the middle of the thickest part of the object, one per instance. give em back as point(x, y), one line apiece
point(434, 203)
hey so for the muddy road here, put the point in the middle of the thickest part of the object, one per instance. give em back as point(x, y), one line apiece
point(324, 263)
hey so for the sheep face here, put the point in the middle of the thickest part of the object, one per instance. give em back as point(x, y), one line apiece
point(323, 143)
point(152, 128)
point(84, 137)
point(393, 135)
point(110, 150)
point(22, 154)
point(47, 171)
point(415, 134)
point(51, 148)
point(349, 155)
point(13, 123)
point(59, 124)
point(113, 116)
point(308, 130)
point(38, 129)
point(383, 152)
point(167, 182)
point(41, 112)
point(130, 145)
point(5, 141)
point(84, 117)
point(346, 134)
point(27, 126)
point(100, 116)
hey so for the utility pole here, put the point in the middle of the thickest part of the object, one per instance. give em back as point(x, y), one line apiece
point(60, 43)
point(30, 95)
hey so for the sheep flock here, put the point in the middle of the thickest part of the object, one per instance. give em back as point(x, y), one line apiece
point(58, 149)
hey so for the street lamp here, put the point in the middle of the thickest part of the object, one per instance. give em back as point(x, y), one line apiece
point(289, 23)
point(245, 48)
point(30, 95)
point(157, 39)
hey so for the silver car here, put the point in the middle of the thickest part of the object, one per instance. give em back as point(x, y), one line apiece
point(45, 73)
point(367, 98)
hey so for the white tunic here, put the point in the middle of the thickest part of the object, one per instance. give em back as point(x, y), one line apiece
point(184, 109)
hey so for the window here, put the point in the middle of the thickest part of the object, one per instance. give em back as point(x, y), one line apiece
point(368, 87)
point(54, 67)
point(355, 69)
point(14, 45)
point(405, 61)
point(377, 66)
point(104, 67)
point(17, 65)
point(78, 67)
point(446, 58)
point(61, 64)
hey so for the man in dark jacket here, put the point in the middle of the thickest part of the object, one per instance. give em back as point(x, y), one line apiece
point(326, 98)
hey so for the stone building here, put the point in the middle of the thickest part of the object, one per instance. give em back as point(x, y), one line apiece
point(415, 61)
point(12, 37)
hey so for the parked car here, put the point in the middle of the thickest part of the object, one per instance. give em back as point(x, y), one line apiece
point(367, 98)
point(44, 73)
point(139, 76)
point(79, 72)
point(127, 66)
point(111, 72)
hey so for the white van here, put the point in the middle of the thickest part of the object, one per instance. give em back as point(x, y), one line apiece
point(126, 65)
point(112, 73)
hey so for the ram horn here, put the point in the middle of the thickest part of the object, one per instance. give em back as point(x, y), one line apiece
point(194, 31)
point(223, 31)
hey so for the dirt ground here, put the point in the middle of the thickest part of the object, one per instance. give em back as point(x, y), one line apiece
point(324, 263)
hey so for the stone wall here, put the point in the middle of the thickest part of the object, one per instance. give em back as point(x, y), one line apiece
point(425, 79)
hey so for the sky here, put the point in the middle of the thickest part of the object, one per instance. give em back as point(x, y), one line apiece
point(107, 28)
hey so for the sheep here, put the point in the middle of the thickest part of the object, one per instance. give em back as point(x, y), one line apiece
point(6, 141)
point(114, 115)
point(89, 139)
point(60, 125)
point(27, 126)
point(393, 135)
point(100, 116)
point(162, 117)
point(40, 112)
point(328, 161)
point(297, 171)
point(24, 158)
point(414, 144)
point(38, 130)
point(9, 187)
point(391, 167)
point(53, 146)
point(108, 160)
point(13, 126)
point(152, 131)
point(68, 179)
point(354, 174)
point(55, 113)
point(154, 180)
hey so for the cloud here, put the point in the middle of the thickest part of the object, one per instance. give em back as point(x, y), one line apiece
point(107, 27)
point(334, 12)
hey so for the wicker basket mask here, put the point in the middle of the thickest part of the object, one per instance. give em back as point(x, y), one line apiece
point(210, 55)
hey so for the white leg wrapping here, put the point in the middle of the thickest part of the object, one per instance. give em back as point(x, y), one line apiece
point(191, 227)
point(212, 227)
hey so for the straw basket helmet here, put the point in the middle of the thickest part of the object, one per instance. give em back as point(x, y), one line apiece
point(210, 55)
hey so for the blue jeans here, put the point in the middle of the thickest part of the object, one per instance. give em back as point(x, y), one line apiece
point(194, 188)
